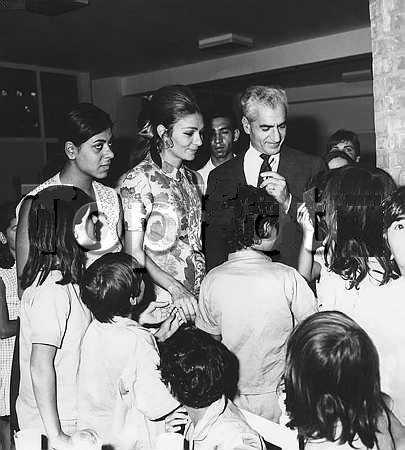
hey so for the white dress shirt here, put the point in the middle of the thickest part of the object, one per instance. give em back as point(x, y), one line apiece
point(204, 172)
point(252, 163)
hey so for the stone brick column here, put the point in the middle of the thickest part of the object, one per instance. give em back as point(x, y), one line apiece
point(388, 46)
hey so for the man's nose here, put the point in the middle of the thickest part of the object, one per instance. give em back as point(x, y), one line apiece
point(218, 138)
point(275, 134)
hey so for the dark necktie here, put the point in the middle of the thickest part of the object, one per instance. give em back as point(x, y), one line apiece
point(265, 167)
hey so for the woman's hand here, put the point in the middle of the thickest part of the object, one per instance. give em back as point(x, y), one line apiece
point(176, 420)
point(184, 300)
point(156, 312)
point(169, 326)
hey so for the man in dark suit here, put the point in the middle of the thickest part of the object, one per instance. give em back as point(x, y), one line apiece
point(269, 164)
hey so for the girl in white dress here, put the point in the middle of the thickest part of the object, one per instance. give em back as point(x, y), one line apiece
point(53, 319)
point(353, 255)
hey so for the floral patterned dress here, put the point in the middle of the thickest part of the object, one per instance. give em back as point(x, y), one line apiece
point(164, 202)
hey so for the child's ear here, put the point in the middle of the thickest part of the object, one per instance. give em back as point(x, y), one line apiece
point(3, 238)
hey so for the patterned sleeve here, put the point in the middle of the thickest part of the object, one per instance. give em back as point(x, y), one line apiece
point(136, 198)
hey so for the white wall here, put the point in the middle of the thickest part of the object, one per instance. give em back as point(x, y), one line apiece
point(318, 111)
point(325, 108)
point(108, 91)
point(304, 52)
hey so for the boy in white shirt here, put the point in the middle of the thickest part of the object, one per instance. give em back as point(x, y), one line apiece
point(252, 304)
point(121, 395)
point(199, 371)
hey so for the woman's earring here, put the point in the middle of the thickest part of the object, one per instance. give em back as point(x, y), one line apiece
point(3, 238)
point(133, 300)
point(167, 141)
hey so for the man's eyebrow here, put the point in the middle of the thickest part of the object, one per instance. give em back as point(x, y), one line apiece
point(273, 124)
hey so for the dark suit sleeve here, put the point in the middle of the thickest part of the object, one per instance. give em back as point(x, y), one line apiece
point(215, 223)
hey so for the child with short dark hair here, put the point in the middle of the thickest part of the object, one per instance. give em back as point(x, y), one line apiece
point(197, 369)
point(332, 385)
point(120, 390)
point(252, 303)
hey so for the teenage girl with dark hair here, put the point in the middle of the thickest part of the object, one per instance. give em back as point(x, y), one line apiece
point(162, 207)
point(87, 140)
point(9, 308)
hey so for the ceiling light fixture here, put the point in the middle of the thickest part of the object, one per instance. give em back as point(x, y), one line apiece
point(226, 40)
point(45, 7)
point(357, 75)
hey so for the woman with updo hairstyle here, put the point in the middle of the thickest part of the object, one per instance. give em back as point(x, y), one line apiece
point(161, 201)
point(86, 136)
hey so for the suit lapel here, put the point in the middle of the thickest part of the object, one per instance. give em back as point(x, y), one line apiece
point(285, 164)
point(239, 172)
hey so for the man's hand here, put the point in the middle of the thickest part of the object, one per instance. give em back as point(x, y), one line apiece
point(184, 300)
point(276, 186)
point(156, 312)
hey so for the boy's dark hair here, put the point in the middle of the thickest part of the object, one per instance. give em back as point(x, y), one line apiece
point(255, 215)
point(393, 210)
point(337, 154)
point(198, 369)
point(50, 231)
point(108, 284)
point(7, 213)
point(344, 136)
point(332, 380)
point(353, 215)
